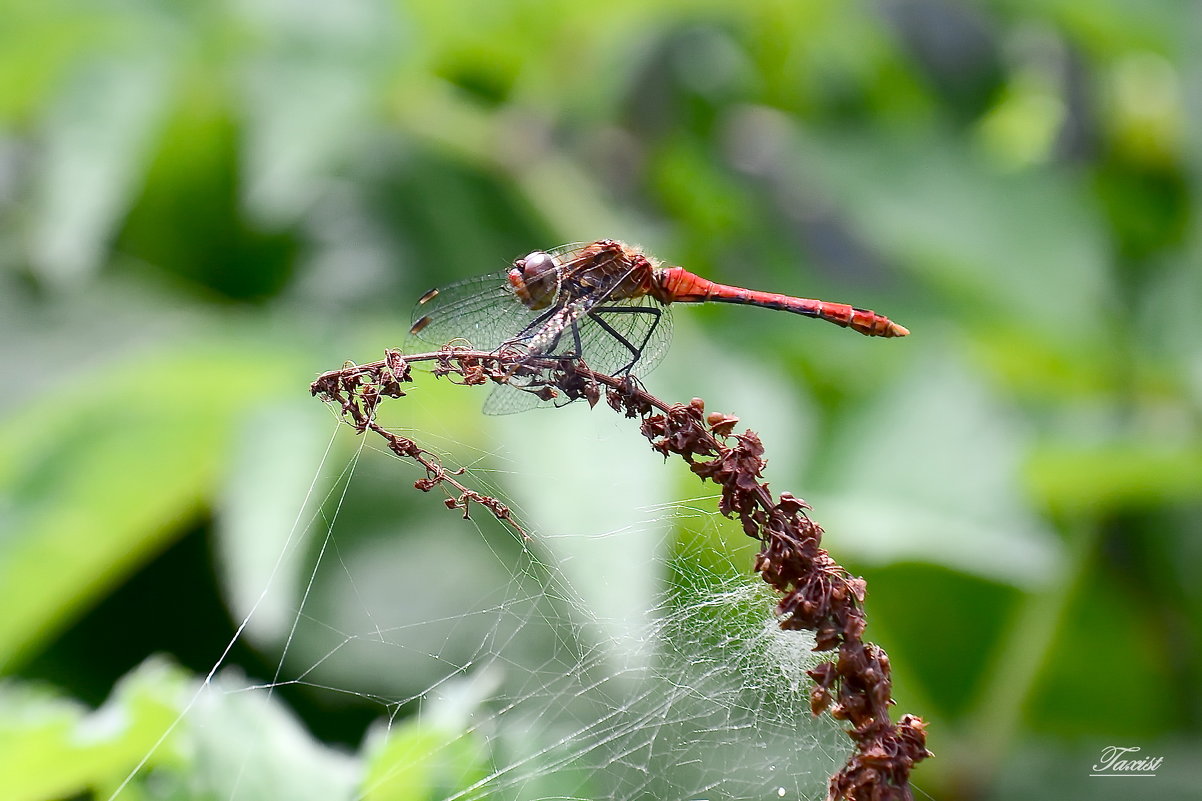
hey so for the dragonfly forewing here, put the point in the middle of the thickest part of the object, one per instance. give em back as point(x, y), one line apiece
point(483, 312)
point(628, 337)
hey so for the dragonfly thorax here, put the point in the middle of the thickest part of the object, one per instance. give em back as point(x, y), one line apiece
point(535, 279)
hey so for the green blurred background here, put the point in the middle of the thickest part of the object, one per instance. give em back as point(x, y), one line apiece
point(203, 205)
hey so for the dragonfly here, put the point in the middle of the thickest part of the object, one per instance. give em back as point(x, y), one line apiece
point(604, 303)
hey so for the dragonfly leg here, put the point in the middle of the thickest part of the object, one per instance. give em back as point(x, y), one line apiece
point(533, 326)
point(545, 349)
point(635, 351)
point(576, 341)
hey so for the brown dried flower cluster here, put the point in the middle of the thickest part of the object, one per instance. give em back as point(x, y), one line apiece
point(816, 593)
point(358, 390)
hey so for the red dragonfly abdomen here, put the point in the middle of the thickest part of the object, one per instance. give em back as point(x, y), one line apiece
point(678, 285)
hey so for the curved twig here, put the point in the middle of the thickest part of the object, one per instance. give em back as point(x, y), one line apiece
point(817, 594)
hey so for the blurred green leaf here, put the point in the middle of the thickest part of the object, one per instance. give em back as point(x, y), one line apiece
point(1011, 246)
point(187, 220)
point(941, 628)
point(1082, 667)
point(51, 747)
point(609, 536)
point(248, 745)
point(269, 489)
point(38, 45)
point(99, 135)
point(97, 478)
point(1112, 26)
point(436, 756)
point(933, 474)
point(310, 97)
point(1103, 479)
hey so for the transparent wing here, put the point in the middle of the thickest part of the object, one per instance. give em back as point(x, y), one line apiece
point(630, 334)
point(505, 399)
point(482, 310)
point(616, 338)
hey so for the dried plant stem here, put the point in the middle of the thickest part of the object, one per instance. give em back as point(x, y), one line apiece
point(816, 593)
point(358, 390)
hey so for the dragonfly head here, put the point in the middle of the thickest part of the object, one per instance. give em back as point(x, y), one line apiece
point(535, 279)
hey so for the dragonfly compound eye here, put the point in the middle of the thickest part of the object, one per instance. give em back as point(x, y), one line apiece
point(535, 280)
point(536, 264)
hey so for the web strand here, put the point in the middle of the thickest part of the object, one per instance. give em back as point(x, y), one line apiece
point(816, 593)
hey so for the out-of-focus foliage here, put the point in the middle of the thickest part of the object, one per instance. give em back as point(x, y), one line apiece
point(202, 205)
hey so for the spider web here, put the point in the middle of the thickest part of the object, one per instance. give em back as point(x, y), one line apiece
point(593, 661)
